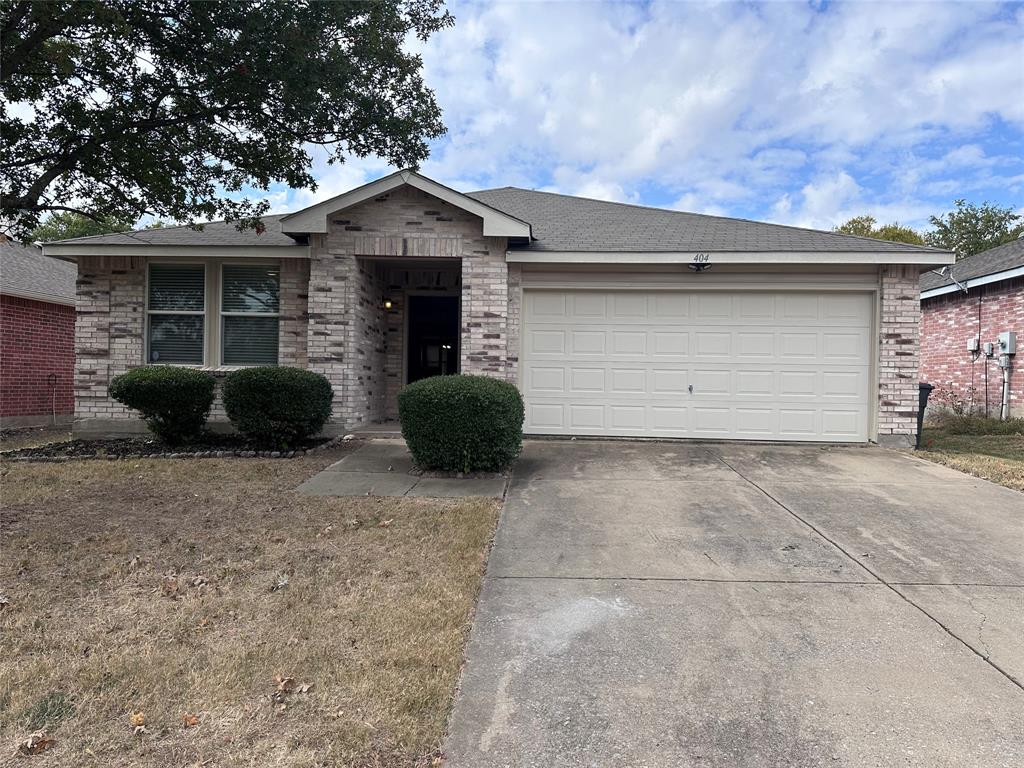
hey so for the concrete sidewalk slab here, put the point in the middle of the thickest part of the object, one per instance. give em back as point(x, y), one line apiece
point(968, 531)
point(989, 619)
point(590, 459)
point(657, 529)
point(574, 673)
point(384, 468)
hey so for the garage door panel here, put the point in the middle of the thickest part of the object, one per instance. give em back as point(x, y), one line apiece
point(762, 365)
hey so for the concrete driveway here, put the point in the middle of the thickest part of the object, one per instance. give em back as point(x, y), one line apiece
point(662, 604)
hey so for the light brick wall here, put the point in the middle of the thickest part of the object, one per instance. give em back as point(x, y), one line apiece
point(948, 321)
point(110, 330)
point(349, 330)
point(898, 356)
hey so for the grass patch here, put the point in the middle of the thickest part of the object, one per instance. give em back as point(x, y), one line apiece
point(209, 588)
point(995, 457)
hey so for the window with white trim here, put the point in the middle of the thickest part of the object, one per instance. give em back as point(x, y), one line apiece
point(176, 313)
point(249, 314)
point(214, 313)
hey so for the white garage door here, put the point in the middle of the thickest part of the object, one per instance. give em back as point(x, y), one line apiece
point(740, 365)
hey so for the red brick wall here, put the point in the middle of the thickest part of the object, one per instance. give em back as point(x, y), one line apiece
point(37, 338)
point(948, 321)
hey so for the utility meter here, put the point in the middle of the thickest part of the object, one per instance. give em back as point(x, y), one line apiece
point(972, 344)
point(1008, 343)
point(989, 350)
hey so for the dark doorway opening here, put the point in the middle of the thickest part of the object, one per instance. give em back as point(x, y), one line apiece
point(433, 337)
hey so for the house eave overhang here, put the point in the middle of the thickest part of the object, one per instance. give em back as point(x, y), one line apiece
point(71, 251)
point(922, 258)
point(314, 218)
point(974, 282)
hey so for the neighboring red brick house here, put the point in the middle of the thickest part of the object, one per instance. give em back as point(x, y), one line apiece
point(992, 304)
point(37, 337)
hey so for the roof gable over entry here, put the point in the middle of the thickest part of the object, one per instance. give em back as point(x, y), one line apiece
point(314, 219)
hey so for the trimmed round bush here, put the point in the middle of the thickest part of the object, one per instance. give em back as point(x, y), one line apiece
point(174, 401)
point(462, 423)
point(277, 406)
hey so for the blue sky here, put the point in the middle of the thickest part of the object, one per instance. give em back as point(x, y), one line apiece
point(799, 113)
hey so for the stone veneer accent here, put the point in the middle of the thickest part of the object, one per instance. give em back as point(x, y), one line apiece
point(348, 326)
point(898, 355)
point(110, 331)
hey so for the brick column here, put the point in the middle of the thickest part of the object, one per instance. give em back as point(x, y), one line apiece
point(292, 337)
point(485, 314)
point(898, 356)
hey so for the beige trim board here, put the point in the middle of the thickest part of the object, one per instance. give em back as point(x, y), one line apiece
point(69, 251)
point(711, 258)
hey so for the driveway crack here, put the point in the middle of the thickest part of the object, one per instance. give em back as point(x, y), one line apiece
point(878, 577)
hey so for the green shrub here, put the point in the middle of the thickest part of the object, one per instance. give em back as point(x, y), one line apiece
point(277, 406)
point(174, 401)
point(462, 423)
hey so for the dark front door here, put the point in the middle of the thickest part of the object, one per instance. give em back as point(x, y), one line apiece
point(433, 336)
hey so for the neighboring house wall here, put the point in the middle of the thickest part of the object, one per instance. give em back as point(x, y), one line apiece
point(38, 342)
point(111, 326)
point(949, 320)
point(898, 355)
point(348, 326)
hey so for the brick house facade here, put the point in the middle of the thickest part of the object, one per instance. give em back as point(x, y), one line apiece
point(37, 338)
point(948, 321)
point(351, 268)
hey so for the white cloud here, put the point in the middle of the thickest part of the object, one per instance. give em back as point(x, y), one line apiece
point(726, 107)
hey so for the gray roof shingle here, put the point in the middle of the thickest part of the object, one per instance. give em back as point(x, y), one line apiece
point(24, 271)
point(212, 233)
point(998, 259)
point(565, 223)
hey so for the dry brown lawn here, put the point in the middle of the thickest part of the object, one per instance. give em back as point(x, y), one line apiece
point(999, 458)
point(166, 593)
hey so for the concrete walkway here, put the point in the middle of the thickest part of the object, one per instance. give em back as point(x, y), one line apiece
point(384, 468)
point(683, 605)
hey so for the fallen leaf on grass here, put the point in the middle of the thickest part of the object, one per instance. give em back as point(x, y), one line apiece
point(4, 601)
point(384, 524)
point(188, 720)
point(281, 583)
point(36, 744)
point(138, 722)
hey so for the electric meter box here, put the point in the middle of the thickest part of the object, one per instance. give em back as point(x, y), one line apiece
point(1008, 343)
point(972, 344)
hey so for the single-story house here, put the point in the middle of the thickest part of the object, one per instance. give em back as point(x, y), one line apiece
point(613, 319)
point(37, 337)
point(977, 300)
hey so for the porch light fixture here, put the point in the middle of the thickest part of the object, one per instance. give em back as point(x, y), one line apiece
point(387, 303)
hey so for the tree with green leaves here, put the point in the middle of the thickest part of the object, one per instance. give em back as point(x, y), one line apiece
point(867, 226)
point(970, 228)
point(123, 109)
point(63, 225)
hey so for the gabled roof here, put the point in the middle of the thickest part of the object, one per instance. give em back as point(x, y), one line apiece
point(991, 263)
point(25, 272)
point(564, 223)
point(497, 222)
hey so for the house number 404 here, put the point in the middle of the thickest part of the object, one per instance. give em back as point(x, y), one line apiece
point(701, 258)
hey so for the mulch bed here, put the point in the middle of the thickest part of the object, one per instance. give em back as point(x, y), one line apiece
point(210, 446)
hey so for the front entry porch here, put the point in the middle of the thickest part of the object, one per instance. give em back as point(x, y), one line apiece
point(419, 305)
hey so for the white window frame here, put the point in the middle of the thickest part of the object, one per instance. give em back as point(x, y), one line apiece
point(212, 325)
point(219, 347)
